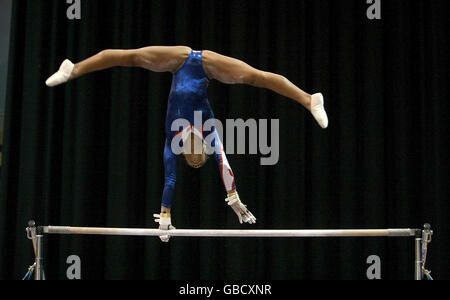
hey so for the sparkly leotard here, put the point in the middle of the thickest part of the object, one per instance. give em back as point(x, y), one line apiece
point(187, 96)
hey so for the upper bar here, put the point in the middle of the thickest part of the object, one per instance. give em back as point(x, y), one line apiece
point(230, 233)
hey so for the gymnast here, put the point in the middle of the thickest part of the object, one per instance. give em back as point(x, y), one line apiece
point(192, 71)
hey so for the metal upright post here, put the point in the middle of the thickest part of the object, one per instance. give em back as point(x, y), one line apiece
point(39, 257)
point(419, 260)
point(36, 235)
point(427, 235)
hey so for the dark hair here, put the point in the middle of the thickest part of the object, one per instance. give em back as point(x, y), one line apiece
point(206, 157)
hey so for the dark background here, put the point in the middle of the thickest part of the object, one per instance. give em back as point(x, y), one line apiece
point(90, 153)
point(5, 22)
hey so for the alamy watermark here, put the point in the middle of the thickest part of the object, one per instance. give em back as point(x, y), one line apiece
point(74, 269)
point(258, 137)
point(374, 10)
point(74, 10)
point(374, 270)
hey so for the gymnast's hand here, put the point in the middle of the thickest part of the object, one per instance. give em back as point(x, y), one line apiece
point(244, 215)
point(63, 75)
point(165, 223)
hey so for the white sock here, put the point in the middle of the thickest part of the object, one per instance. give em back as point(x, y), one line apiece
point(318, 110)
point(63, 75)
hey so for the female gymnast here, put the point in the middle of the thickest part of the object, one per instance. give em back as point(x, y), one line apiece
point(192, 71)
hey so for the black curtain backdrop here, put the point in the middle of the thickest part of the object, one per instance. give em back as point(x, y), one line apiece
point(90, 153)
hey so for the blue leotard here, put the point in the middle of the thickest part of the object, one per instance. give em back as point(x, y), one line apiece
point(188, 95)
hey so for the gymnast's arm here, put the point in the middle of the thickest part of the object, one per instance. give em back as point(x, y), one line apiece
point(164, 219)
point(170, 165)
point(155, 58)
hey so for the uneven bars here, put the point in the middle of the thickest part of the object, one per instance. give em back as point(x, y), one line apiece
point(230, 233)
point(422, 237)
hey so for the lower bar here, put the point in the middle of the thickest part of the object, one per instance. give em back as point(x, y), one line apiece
point(230, 233)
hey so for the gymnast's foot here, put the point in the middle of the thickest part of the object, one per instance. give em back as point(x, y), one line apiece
point(63, 75)
point(318, 110)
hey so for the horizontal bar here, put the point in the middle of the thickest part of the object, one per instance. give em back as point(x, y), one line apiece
point(230, 233)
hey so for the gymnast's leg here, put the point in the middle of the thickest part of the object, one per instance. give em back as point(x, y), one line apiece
point(156, 59)
point(232, 71)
